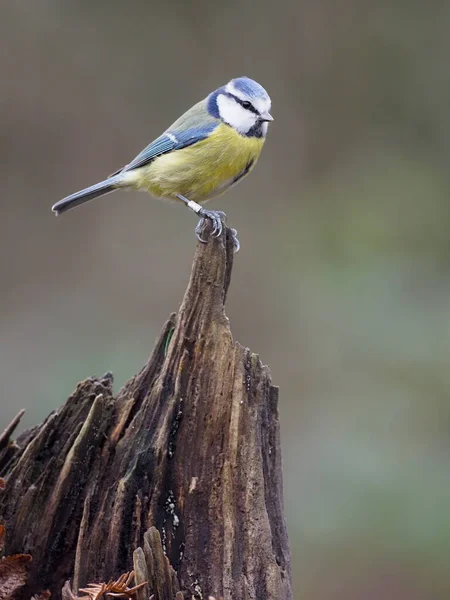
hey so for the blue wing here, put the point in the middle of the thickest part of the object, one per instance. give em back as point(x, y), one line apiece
point(159, 146)
point(168, 142)
point(192, 127)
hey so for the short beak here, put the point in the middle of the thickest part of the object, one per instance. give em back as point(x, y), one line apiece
point(265, 116)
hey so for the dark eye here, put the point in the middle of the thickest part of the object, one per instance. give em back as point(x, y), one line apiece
point(246, 104)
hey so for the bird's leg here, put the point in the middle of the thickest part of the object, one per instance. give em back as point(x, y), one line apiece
point(216, 216)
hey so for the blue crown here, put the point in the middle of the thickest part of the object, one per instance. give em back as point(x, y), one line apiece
point(250, 87)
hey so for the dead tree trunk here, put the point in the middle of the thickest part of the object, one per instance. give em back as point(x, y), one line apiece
point(190, 445)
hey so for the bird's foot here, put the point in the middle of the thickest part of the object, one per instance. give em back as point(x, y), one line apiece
point(236, 243)
point(216, 217)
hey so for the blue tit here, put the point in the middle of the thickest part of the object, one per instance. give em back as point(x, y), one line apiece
point(211, 147)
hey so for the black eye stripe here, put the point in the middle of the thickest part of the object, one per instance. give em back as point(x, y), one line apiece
point(251, 108)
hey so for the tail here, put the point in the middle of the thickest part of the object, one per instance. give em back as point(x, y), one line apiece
point(99, 189)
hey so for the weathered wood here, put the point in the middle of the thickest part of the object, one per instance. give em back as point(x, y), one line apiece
point(190, 446)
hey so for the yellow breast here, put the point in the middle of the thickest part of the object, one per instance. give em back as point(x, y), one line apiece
point(203, 170)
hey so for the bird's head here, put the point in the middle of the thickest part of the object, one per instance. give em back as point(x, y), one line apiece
point(242, 104)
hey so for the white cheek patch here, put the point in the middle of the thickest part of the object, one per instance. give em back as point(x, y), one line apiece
point(235, 115)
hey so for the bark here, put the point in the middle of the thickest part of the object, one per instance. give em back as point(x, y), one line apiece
point(179, 474)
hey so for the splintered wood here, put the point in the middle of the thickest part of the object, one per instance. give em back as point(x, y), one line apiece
point(178, 476)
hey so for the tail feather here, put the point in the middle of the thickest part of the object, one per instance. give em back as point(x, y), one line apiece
point(94, 191)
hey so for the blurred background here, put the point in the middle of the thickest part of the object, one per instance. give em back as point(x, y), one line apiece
point(342, 284)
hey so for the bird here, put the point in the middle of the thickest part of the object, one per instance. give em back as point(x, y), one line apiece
point(210, 148)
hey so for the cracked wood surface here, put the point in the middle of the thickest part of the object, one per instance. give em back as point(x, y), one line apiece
point(190, 445)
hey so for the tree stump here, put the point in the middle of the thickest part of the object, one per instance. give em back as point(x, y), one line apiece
point(179, 476)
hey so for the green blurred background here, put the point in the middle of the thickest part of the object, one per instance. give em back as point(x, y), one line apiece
point(343, 281)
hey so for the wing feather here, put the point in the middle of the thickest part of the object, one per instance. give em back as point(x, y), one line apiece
point(192, 127)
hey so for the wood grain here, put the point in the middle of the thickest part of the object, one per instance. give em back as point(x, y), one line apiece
point(179, 474)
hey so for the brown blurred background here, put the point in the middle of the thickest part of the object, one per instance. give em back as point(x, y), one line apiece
point(343, 281)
